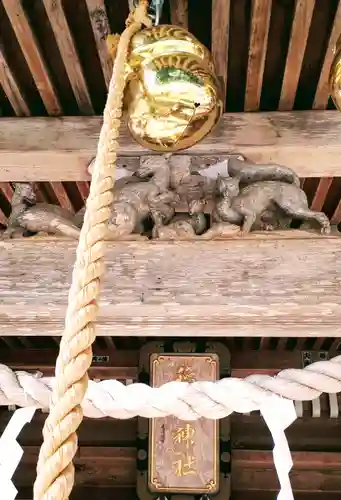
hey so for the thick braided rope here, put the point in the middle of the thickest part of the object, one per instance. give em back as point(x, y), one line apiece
point(55, 470)
point(213, 400)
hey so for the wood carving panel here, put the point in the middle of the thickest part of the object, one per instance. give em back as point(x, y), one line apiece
point(183, 455)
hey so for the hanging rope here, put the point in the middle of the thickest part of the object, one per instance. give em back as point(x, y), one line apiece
point(55, 470)
point(111, 398)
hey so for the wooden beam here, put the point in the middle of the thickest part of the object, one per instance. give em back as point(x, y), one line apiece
point(59, 149)
point(312, 471)
point(248, 287)
point(105, 493)
point(107, 364)
point(251, 469)
point(123, 364)
point(95, 466)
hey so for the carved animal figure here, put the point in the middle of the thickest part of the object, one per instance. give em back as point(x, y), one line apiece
point(248, 172)
point(181, 226)
point(28, 215)
point(189, 185)
point(253, 202)
point(132, 202)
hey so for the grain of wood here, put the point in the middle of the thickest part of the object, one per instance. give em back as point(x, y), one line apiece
point(63, 36)
point(101, 29)
point(101, 466)
point(251, 469)
point(280, 288)
point(179, 13)
point(109, 342)
point(322, 91)
point(33, 56)
point(260, 21)
point(336, 217)
point(321, 194)
point(11, 88)
point(336, 345)
point(312, 471)
point(7, 191)
point(62, 196)
point(298, 41)
point(307, 141)
point(123, 364)
point(3, 218)
point(83, 189)
point(220, 40)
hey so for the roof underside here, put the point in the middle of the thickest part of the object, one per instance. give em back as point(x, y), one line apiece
point(275, 56)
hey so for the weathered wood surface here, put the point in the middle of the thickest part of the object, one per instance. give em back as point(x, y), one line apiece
point(242, 287)
point(183, 456)
point(251, 470)
point(123, 364)
point(59, 149)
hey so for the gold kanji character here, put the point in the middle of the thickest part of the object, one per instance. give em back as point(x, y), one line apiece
point(184, 435)
point(184, 466)
point(185, 374)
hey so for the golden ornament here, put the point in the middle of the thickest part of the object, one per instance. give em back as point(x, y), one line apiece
point(335, 76)
point(173, 98)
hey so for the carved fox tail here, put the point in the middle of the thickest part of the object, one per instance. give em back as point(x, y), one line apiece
point(252, 172)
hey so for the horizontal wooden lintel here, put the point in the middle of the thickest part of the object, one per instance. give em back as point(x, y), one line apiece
point(244, 287)
point(123, 364)
point(251, 470)
point(60, 149)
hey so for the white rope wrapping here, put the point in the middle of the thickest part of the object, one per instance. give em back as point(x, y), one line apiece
point(187, 401)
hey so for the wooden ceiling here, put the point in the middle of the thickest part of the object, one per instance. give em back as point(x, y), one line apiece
point(271, 55)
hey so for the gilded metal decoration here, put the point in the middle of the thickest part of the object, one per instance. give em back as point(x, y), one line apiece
point(335, 75)
point(173, 98)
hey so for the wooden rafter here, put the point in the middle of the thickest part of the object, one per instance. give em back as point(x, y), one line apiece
point(63, 36)
point(299, 35)
point(220, 39)
point(11, 88)
point(260, 20)
point(100, 26)
point(179, 12)
point(33, 56)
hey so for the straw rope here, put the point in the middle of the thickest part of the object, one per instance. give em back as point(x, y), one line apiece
point(187, 401)
point(55, 470)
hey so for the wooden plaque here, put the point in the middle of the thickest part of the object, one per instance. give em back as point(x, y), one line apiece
point(183, 455)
